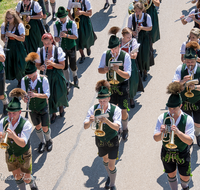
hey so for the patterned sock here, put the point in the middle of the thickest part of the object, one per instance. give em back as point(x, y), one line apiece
point(20, 183)
point(48, 135)
point(184, 184)
point(53, 6)
point(66, 74)
point(113, 176)
point(106, 166)
point(47, 5)
point(173, 183)
point(40, 135)
point(32, 183)
point(5, 100)
point(125, 123)
point(196, 131)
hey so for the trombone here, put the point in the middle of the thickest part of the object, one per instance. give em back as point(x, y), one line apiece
point(99, 131)
point(4, 141)
point(164, 135)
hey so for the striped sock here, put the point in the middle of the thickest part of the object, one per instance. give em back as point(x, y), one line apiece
point(106, 166)
point(53, 6)
point(184, 184)
point(112, 175)
point(173, 182)
point(47, 5)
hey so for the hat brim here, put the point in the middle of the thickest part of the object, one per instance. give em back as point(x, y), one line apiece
point(102, 97)
point(61, 16)
point(13, 110)
point(170, 105)
point(30, 72)
point(113, 46)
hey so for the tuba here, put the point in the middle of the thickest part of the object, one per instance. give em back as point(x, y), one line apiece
point(189, 94)
point(4, 141)
point(26, 25)
point(170, 144)
point(147, 4)
point(99, 132)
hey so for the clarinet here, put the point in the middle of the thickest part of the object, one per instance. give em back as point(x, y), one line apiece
point(6, 43)
point(27, 105)
point(44, 72)
point(136, 28)
point(59, 44)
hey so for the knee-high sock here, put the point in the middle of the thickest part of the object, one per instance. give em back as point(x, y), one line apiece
point(53, 6)
point(20, 183)
point(196, 130)
point(106, 1)
point(40, 135)
point(173, 183)
point(5, 100)
point(66, 74)
point(125, 123)
point(106, 166)
point(44, 21)
point(48, 135)
point(74, 73)
point(184, 184)
point(112, 175)
point(32, 183)
point(47, 5)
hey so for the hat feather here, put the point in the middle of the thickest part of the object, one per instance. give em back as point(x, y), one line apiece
point(17, 92)
point(32, 57)
point(193, 45)
point(175, 88)
point(114, 30)
point(102, 83)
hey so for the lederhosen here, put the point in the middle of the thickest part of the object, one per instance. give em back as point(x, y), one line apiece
point(68, 46)
point(109, 144)
point(15, 58)
point(196, 25)
point(143, 57)
point(191, 106)
point(179, 157)
point(57, 83)
point(119, 92)
point(86, 35)
point(38, 106)
point(16, 153)
point(33, 40)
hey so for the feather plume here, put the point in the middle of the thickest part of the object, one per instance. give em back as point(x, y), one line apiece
point(175, 88)
point(193, 45)
point(102, 83)
point(32, 57)
point(114, 30)
point(17, 92)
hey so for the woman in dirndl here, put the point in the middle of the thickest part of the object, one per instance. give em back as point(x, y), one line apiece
point(135, 81)
point(13, 30)
point(54, 59)
point(33, 39)
point(86, 35)
point(140, 24)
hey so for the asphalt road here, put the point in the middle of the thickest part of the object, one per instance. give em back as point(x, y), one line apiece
point(73, 162)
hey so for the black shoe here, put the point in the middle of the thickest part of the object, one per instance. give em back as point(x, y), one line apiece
point(41, 148)
point(48, 14)
point(47, 28)
point(198, 140)
point(76, 80)
point(88, 51)
point(187, 188)
point(145, 77)
point(19, 84)
point(141, 73)
point(113, 188)
point(125, 134)
point(119, 134)
point(82, 59)
point(132, 103)
point(53, 119)
point(62, 113)
point(54, 17)
point(114, 1)
point(5, 112)
point(107, 184)
point(34, 186)
point(106, 5)
point(49, 145)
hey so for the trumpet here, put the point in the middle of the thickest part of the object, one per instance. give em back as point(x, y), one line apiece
point(99, 131)
point(189, 94)
point(4, 141)
point(164, 136)
point(26, 25)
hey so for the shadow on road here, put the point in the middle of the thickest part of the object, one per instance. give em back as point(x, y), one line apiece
point(101, 19)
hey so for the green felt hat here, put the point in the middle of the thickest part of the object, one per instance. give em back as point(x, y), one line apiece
point(30, 68)
point(61, 12)
point(174, 101)
point(190, 53)
point(14, 105)
point(103, 93)
point(113, 42)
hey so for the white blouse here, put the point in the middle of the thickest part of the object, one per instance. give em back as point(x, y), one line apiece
point(37, 8)
point(87, 4)
point(149, 22)
point(21, 29)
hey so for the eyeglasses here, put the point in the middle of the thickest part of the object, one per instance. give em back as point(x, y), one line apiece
point(9, 18)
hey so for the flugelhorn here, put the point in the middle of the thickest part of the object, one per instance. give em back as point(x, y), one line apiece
point(189, 94)
point(4, 141)
point(164, 135)
point(99, 131)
